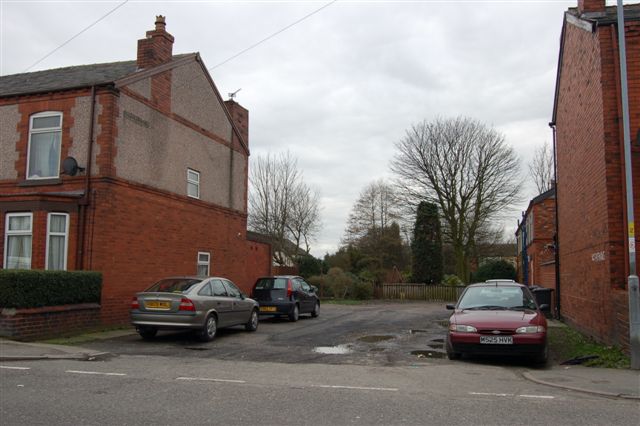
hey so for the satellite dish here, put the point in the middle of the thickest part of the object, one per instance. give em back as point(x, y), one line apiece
point(70, 166)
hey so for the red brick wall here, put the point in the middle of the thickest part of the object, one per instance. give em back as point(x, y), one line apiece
point(591, 178)
point(138, 235)
point(37, 323)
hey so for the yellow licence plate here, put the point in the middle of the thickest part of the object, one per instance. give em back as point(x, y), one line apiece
point(267, 308)
point(157, 305)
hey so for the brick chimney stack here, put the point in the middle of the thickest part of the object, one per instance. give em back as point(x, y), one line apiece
point(157, 47)
point(588, 6)
point(240, 117)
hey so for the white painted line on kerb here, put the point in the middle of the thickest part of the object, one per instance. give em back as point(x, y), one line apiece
point(204, 379)
point(355, 388)
point(14, 368)
point(95, 373)
point(511, 394)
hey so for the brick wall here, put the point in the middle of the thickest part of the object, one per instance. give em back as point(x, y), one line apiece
point(591, 179)
point(38, 323)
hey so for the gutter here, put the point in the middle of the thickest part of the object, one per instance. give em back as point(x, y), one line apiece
point(84, 201)
point(556, 238)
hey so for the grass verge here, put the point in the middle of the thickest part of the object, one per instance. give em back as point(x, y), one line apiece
point(566, 344)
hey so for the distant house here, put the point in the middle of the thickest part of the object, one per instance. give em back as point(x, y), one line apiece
point(587, 116)
point(136, 169)
point(536, 244)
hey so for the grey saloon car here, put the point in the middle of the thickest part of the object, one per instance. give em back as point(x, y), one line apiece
point(202, 304)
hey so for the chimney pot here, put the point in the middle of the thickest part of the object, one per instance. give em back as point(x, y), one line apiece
point(160, 23)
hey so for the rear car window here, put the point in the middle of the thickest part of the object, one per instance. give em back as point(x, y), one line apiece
point(507, 297)
point(173, 285)
point(271, 284)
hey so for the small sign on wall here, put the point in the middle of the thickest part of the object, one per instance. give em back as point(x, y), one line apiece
point(598, 256)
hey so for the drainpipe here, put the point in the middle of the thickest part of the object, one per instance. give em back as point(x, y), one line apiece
point(552, 125)
point(84, 201)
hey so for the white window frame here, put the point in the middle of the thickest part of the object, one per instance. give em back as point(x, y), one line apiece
point(44, 130)
point(206, 263)
point(64, 234)
point(8, 233)
point(195, 182)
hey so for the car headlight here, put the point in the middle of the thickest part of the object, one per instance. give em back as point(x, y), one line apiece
point(462, 328)
point(530, 329)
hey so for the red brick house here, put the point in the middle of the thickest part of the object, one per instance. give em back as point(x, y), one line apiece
point(587, 119)
point(162, 188)
point(535, 238)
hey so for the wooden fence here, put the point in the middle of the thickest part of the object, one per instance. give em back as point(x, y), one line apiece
point(432, 293)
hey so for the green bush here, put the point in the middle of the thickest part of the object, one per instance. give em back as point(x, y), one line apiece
point(361, 290)
point(452, 280)
point(33, 288)
point(495, 269)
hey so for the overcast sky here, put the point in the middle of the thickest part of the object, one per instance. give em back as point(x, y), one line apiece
point(340, 88)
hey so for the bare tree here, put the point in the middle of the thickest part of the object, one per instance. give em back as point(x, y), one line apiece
point(465, 168)
point(282, 206)
point(541, 169)
point(373, 211)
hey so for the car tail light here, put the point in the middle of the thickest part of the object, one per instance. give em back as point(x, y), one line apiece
point(289, 289)
point(134, 303)
point(186, 305)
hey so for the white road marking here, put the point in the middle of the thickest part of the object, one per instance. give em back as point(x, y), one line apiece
point(204, 379)
point(95, 372)
point(537, 396)
point(511, 394)
point(355, 388)
point(14, 368)
point(490, 394)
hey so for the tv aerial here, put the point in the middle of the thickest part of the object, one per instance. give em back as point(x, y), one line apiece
point(233, 95)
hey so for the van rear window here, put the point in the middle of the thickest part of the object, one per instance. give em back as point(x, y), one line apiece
point(272, 284)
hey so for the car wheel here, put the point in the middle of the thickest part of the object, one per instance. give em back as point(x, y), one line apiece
point(293, 316)
point(543, 356)
point(252, 325)
point(316, 310)
point(451, 354)
point(147, 333)
point(209, 329)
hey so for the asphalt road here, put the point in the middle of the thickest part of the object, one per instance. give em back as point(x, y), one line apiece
point(278, 376)
point(376, 334)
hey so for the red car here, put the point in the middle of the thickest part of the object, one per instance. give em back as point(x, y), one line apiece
point(497, 317)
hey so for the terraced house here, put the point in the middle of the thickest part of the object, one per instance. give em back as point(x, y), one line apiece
point(136, 169)
point(587, 117)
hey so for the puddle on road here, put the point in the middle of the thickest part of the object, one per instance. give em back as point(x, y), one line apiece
point(438, 340)
point(436, 345)
point(414, 331)
point(375, 339)
point(443, 323)
point(333, 350)
point(376, 350)
point(196, 348)
point(428, 354)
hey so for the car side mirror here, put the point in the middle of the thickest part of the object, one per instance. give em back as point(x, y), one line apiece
point(544, 307)
point(451, 307)
point(242, 296)
point(314, 289)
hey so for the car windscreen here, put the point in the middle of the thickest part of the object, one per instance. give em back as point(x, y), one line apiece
point(271, 284)
point(495, 297)
point(173, 285)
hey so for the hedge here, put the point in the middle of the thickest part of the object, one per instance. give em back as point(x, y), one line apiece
point(34, 288)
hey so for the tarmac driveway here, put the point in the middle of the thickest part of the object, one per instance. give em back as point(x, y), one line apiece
point(371, 334)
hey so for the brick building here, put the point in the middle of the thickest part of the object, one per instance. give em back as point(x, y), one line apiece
point(535, 238)
point(162, 188)
point(587, 117)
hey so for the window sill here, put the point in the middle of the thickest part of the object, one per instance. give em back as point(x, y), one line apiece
point(40, 182)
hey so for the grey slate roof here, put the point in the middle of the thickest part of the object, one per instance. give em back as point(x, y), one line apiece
point(64, 78)
point(67, 77)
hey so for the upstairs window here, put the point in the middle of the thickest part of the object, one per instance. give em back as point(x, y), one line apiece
point(43, 158)
point(57, 241)
point(193, 183)
point(204, 259)
point(17, 241)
